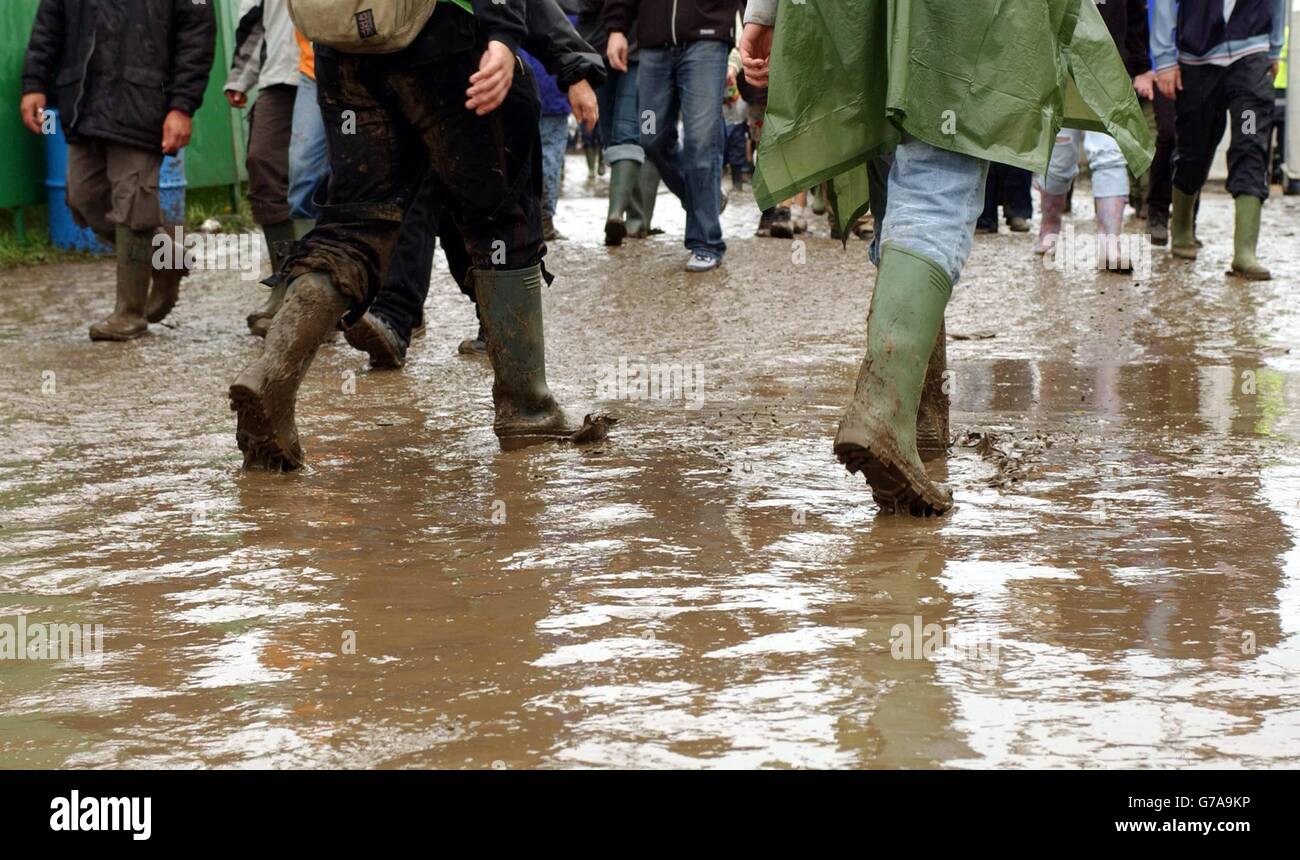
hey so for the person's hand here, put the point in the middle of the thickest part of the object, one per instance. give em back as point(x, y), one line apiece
point(177, 129)
point(731, 78)
point(1274, 67)
point(755, 51)
point(33, 111)
point(616, 51)
point(582, 98)
point(489, 86)
point(1145, 85)
point(236, 99)
point(1169, 82)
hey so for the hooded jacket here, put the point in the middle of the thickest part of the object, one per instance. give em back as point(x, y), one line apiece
point(266, 47)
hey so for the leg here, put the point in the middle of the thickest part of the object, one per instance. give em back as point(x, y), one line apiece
point(1110, 194)
point(658, 100)
point(935, 197)
point(1017, 202)
point(702, 80)
point(1054, 187)
point(1199, 123)
point(988, 220)
point(1159, 195)
point(90, 194)
point(269, 141)
point(1249, 90)
point(136, 214)
point(555, 139)
point(309, 158)
point(620, 129)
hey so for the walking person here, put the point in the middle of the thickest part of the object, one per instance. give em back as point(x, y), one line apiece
point(895, 92)
point(127, 77)
point(1217, 62)
point(267, 57)
point(450, 101)
point(683, 53)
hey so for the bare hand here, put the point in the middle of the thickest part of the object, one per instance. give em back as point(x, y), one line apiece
point(582, 98)
point(1170, 81)
point(1145, 85)
point(489, 86)
point(236, 99)
point(616, 51)
point(755, 52)
point(1274, 67)
point(33, 111)
point(177, 129)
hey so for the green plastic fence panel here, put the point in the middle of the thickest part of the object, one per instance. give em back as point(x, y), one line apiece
point(22, 155)
point(215, 155)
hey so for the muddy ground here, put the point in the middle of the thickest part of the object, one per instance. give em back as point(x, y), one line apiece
point(1119, 584)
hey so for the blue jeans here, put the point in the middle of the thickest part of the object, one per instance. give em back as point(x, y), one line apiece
point(309, 155)
point(555, 140)
point(620, 124)
point(1109, 169)
point(935, 196)
point(687, 81)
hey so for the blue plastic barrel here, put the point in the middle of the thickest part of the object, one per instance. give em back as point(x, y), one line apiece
point(64, 232)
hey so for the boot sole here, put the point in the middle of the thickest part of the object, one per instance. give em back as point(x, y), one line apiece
point(1248, 275)
point(120, 338)
point(893, 487)
point(255, 433)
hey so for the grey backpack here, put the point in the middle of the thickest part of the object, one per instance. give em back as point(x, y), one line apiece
point(361, 26)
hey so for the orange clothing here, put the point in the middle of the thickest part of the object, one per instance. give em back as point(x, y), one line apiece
point(306, 56)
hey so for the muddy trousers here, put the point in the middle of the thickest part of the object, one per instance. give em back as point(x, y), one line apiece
point(1242, 91)
point(268, 154)
point(397, 120)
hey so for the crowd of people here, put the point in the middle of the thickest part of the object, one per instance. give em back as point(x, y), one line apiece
point(376, 134)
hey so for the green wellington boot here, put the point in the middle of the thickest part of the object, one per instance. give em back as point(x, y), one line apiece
point(641, 204)
point(1182, 226)
point(932, 424)
point(878, 433)
point(166, 287)
point(510, 305)
point(278, 236)
point(623, 176)
point(134, 269)
point(265, 392)
point(1245, 238)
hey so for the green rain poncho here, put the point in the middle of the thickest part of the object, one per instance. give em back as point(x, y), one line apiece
point(994, 79)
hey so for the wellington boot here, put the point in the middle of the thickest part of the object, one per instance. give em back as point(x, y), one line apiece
point(878, 433)
point(1245, 239)
point(1049, 228)
point(622, 183)
point(510, 304)
point(166, 286)
point(127, 321)
point(279, 236)
point(1182, 226)
point(1111, 253)
point(641, 204)
point(265, 392)
point(932, 425)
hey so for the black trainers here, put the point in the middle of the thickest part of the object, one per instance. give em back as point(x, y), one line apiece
point(374, 336)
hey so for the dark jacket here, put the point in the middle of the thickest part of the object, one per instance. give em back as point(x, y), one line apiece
point(663, 23)
point(115, 68)
point(563, 53)
point(1127, 22)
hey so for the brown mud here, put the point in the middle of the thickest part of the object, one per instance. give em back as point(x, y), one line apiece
point(707, 587)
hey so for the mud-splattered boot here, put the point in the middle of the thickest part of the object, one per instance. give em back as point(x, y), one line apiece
point(166, 287)
point(622, 182)
point(877, 435)
point(1111, 255)
point(134, 269)
point(264, 394)
point(1245, 238)
point(1182, 226)
point(641, 205)
point(278, 237)
point(510, 305)
point(932, 425)
point(1049, 228)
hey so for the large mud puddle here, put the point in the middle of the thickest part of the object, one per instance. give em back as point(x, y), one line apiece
point(1119, 584)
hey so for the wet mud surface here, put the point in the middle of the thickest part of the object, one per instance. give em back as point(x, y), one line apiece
point(1118, 584)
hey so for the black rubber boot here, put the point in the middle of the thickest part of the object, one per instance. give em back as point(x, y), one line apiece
point(375, 336)
point(264, 395)
point(278, 238)
point(623, 176)
point(166, 286)
point(476, 345)
point(134, 269)
point(510, 306)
